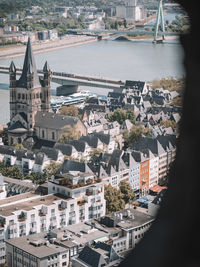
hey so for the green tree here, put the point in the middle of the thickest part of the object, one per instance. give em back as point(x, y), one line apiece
point(114, 199)
point(95, 153)
point(136, 132)
point(51, 169)
point(168, 123)
point(13, 171)
point(36, 177)
point(69, 111)
point(127, 192)
point(19, 146)
point(121, 115)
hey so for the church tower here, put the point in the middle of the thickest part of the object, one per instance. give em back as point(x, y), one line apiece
point(28, 95)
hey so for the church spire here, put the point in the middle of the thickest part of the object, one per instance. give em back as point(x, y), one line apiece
point(29, 68)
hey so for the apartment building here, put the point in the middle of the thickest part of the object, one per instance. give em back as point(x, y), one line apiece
point(128, 226)
point(163, 147)
point(72, 199)
point(134, 175)
point(35, 251)
point(86, 189)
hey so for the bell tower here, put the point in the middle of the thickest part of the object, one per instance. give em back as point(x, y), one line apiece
point(28, 95)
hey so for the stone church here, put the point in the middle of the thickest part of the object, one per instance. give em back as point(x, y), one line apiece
point(31, 118)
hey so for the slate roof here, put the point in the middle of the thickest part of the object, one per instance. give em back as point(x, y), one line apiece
point(116, 95)
point(165, 140)
point(29, 67)
point(137, 84)
point(66, 149)
point(7, 150)
point(112, 253)
point(69, 165)
point(23, 115)
point(51, 153)
point(148, 143)
point(12, 67)
point(40, 158)
point(105, 138)
point(79, 145)
point(54, 121)
point(91, 257)
point(18, 153)
point(90, 140)
point(41, 143)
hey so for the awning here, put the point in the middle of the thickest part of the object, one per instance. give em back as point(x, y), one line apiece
point(101, 239)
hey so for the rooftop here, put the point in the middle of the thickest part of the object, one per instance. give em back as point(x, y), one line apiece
point(131, 219)
point(29, 204)
point(30, 245)
point(19, 197)
point(82, 233)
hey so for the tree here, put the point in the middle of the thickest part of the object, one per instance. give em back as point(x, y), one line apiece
point(36, 177)
point(19, 146)
point(69, 134)
point(94, 154)
point(13, 171)
point(136, 132)
point(127, 192)
point(169, 123)
point(121, 115)
point(114, 199)
point(69, 111)
point(51, 169)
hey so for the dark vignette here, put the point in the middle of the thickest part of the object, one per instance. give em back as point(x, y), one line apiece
point(173, 240)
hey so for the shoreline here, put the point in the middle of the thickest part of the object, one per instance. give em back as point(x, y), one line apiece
point(18, 51)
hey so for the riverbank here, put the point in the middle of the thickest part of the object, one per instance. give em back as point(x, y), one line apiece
point(66, 41)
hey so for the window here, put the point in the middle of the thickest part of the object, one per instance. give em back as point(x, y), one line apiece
point(64, 256)
point(42, 133)
point(53, 135)
point(64, 263)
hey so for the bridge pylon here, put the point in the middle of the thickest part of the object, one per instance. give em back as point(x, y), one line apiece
point(160, 16)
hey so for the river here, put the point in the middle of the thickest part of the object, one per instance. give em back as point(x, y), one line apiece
point(133, 60)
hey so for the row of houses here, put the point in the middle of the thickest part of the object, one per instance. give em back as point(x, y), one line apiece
point(29, 161)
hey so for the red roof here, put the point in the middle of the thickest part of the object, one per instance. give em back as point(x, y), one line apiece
point(157, 188)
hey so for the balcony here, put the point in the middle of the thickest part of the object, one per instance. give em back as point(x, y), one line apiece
point(72, 214)
point(41, 214)
point(21, 219)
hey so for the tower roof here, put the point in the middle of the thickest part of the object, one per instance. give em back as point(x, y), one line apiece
point(12, 67)
point(46, 67)
point(29, 67)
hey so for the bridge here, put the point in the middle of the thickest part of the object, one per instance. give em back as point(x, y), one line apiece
point(131, 31)
point(70, 82)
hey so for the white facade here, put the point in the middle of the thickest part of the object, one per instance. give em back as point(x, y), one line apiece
point(40, 213)
point(134, 175)
point(153, 170)
point(2, 188)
